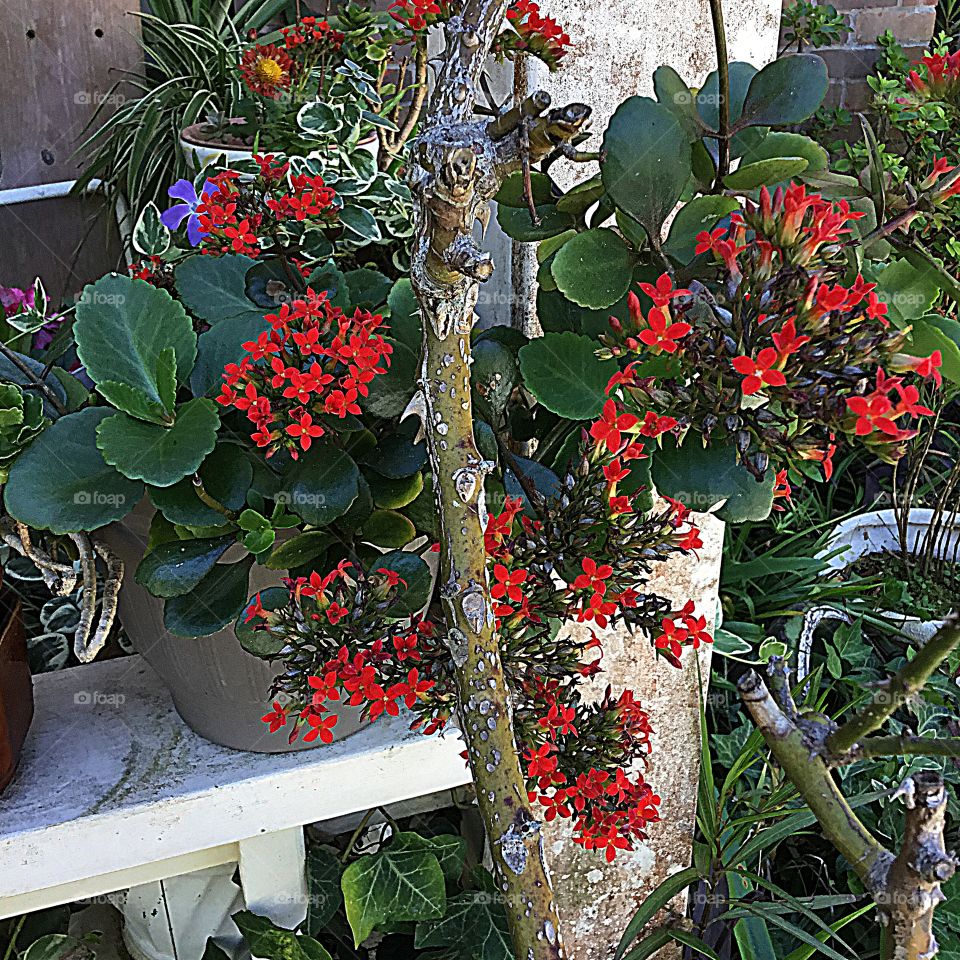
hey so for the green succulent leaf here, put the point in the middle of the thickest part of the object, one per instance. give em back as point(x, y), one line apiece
point(215, 288)
point(322, 485)
point(646, 163)
point(174, 568)
point(404, 323)
point(122, 328)
point(563, 372)
point(786, 91)
point(253, 639)
point(62, 483)
point(414, 570)
point(392, 493)
point(517, 224)
point(748, 176)
point(701, 213)
point(708, 100)
point(398, 883)
point(387, 528)
point(783, 144)
point(160, 455)
point(226, 475)
point(909, 291)
point(212, 604)
point(493, 376)
point(299, 550)
point(594, 268)
point(672, 92)
point(702, 477)
point(391, 392)
point(938, 333)
point(397, 456)
point(369, 288)
point(220, 345)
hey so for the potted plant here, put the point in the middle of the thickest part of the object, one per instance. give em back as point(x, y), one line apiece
point(319, 86)
point(207, 494)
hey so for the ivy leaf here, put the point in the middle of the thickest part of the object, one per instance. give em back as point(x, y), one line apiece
point(160, 455)
point(62, 483)
point(213, 603)
point(174, 568)
point(594, 268)
point(475, 924)
point(397, 883)
point(270, 942)
point(450, 850)
point(122, 327)
point(564, 373)
point(645, 162)
point(786, 91)
point(322, 485)
point(323, 884)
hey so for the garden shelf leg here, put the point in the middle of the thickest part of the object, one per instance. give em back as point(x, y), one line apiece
point(273, 875)
point(171, 919)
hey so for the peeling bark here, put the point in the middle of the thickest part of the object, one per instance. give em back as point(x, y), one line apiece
point(905, 886)
point(457, 165)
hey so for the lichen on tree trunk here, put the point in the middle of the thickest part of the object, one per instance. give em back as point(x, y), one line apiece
point(456, 166)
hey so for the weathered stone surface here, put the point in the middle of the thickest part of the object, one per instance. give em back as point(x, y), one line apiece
point(596, 899)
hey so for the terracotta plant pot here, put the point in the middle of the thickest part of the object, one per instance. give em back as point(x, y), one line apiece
point(219, 689)
point(876, 532)
point(16, 687)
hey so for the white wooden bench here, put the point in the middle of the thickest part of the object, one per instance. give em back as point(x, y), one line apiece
point(115, 792)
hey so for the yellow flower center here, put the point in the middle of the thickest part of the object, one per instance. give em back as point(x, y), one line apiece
point(268, 70)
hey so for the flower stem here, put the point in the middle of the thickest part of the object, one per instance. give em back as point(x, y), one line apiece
point(723, 87)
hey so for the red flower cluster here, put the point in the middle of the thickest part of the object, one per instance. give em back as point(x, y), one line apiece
point(876, 411)
point(418, 15)
point(241, 217)
point(314, 362)
point(311, 32)
point(941, 76)
point(610, 808)
point(533, 33)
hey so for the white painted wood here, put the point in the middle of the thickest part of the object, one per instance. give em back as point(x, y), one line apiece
point(273, 876)
point(113, 789)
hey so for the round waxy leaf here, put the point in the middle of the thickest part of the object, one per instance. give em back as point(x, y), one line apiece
point(387, 528)
point(701, 213)
point(748, 176)
point(783, 144)
point(594, 269)
point(226, 475)
point(213, 603)
point(786, 91)
point(563, 372)
point(391, 493)
point(390, 392)
point(645, 162)
point(262, 643)
point(160, 455)
point(62, 483)
point(220, 345)
point(174, 568)
point(397, 456)
point(414, 570)
point(122, 328)
point(321, 486)
point(215, 288)
point(299, 550)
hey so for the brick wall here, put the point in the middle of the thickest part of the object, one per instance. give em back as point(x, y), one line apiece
point(910, 21)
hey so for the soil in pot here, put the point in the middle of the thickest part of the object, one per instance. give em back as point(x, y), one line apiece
point(16, 686)
point(208, 135)
point(909, 589)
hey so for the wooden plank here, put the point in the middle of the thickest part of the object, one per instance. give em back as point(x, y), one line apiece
point(60, 60)
point(111, 779)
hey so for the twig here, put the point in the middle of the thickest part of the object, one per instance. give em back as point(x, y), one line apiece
point(723, 86)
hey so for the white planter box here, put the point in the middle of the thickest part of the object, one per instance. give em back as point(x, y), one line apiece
point(877, 532)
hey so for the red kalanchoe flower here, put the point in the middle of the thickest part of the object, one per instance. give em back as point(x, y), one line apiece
point(759, 373)
point(607, 431)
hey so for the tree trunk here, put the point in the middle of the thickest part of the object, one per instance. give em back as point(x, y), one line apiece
point(457, 164)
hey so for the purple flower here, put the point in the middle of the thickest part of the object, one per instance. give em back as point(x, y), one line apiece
point(13, 300)
point(184, 190)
